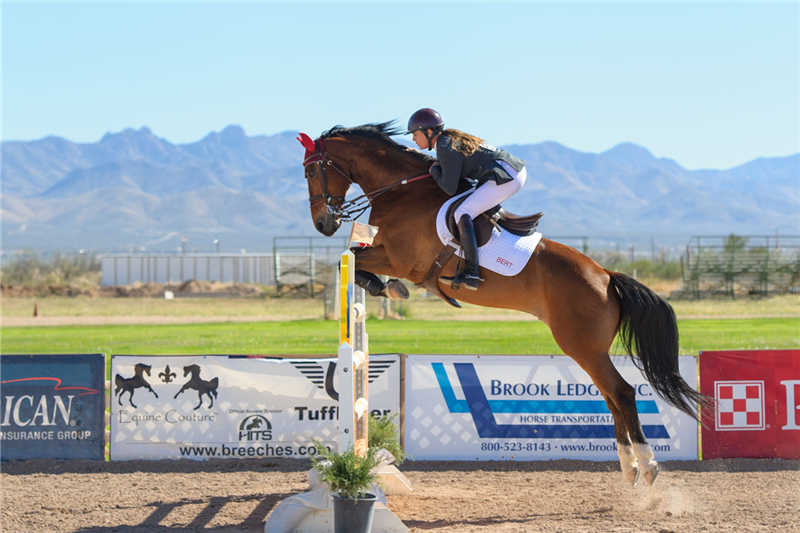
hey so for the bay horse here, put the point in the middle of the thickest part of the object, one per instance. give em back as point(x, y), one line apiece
point(584, 305)
point(123, 385)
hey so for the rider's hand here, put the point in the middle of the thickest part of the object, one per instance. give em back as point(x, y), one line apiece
point(436, 170)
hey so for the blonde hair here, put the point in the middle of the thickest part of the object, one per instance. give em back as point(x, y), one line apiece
point(463, 142)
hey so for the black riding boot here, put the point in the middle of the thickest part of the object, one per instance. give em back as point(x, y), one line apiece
point(468, 275)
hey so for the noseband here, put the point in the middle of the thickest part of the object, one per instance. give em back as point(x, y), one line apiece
point(350, 210)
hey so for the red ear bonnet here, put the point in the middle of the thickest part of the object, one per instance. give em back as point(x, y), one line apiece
point(308, 143)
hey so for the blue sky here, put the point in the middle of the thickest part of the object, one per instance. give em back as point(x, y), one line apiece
point(710, 85)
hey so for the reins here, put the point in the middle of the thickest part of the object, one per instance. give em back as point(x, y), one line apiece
point(347, 210)
point(352, 209)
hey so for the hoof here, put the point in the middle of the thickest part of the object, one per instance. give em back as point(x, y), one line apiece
point(632, 476)
point(396, 290)
point(651, 474)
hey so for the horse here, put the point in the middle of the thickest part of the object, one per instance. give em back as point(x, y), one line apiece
point(208, 388)
point(585, 305)
point(122, 385)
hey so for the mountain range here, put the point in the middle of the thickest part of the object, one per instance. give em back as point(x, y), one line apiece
point(133, 190)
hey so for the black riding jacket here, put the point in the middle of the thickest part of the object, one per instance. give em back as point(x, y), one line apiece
point(453, 166)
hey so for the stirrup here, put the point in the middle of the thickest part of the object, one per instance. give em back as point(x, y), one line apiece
point(469, 281)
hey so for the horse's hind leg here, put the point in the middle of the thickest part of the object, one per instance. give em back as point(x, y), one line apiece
point(635, 455)
point(627, 459)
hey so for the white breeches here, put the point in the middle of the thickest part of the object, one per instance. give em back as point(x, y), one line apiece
point(489, 195)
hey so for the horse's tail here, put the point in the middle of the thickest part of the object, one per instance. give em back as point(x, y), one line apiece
point(214, 384)
point(648, 330)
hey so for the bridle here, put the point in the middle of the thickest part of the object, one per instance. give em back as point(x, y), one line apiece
point(344, 210)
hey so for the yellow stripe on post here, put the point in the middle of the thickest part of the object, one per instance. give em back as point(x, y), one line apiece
point(345, 292)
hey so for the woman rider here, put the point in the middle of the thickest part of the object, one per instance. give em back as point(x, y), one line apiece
point(462, 157)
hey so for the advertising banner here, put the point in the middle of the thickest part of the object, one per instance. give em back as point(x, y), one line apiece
point(530, 408)
point(197, 407)
point(756, 403)
point(52, 406)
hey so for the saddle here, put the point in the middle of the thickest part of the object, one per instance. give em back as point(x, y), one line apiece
point(494, 217)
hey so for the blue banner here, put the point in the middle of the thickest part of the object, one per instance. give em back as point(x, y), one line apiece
point(52, 406)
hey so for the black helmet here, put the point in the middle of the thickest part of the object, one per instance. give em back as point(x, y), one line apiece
point(425, 118)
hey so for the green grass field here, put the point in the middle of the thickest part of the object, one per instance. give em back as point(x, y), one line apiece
point(386, 336)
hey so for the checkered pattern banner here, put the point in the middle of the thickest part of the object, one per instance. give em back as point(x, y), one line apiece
point(756, 409)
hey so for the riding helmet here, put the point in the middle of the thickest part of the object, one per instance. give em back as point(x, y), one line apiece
point(425, 118)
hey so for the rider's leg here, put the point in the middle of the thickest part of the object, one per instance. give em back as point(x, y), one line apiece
point(469, 274)
point(484, 198)
point(489, 195)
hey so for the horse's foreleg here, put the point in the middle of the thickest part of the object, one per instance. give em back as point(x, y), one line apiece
point(151, 390)
point(180, 392)
point(199, 397)
point(371, 260)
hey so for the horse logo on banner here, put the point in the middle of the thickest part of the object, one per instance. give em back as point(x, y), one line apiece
point(123, 385)
point(209, 388)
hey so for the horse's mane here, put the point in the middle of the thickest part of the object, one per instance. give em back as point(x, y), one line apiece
point(380, 131)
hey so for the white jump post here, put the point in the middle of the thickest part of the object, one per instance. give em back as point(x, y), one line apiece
point(312, 511)
point(352, 366)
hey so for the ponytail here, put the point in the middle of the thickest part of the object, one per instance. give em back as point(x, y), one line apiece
point(463, 142)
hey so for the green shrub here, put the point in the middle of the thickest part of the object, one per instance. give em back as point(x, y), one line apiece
point(383, 433)
point(644, 268)
point(28, 269)
point(345, 473)
point(403, 310)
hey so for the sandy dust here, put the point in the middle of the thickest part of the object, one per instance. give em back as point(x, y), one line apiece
point(224, 496)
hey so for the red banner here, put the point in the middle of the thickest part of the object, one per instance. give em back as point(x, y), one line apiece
point(756, 403)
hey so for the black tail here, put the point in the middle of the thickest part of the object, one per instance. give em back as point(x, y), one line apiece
point(649, 332)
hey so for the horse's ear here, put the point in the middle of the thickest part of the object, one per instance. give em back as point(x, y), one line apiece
point(308, 143)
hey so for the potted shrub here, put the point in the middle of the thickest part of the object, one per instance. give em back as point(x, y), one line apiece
point(348, 476)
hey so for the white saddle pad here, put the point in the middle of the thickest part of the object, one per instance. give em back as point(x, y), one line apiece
point(504, 253)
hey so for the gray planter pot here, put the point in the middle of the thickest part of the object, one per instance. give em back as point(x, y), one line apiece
point(353, 515)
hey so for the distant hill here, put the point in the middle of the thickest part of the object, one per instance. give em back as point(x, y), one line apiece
point(134, 190)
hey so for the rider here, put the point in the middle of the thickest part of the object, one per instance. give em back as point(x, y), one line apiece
point(462, 157)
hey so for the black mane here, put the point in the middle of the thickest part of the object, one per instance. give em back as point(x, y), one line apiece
point(380, 131)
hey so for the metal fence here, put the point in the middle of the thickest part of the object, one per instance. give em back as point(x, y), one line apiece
point(749, 264)
point(304, 266)
point(125, 269)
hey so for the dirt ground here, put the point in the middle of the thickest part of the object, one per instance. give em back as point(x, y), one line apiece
point(735, 495)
